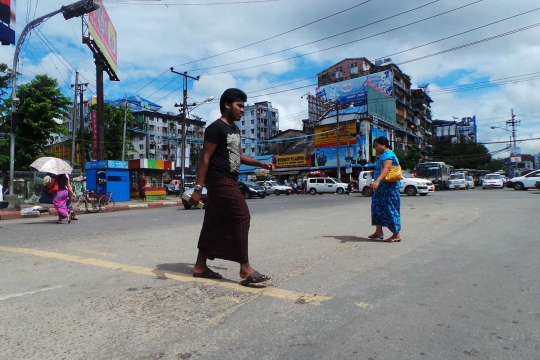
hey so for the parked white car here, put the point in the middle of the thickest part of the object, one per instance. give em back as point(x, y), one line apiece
point(470, 182)
point(275, 188)
point(492, 181)
point(320, 185)
point(457, 181)
point(409, 185)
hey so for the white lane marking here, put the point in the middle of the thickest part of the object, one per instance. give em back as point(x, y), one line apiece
point(28, 293)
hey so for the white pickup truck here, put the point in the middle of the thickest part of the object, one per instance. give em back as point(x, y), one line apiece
point(409, 184)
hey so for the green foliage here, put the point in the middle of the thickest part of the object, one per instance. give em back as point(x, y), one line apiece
point(5, 114)
point(462, 156)
point(114, 127)
point(409, 159)
point(495, 165)
point(41, 102)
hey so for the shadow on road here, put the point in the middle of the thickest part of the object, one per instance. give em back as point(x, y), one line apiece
point(162, 270)
point(348, 238)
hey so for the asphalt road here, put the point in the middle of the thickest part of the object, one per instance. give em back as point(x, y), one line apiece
point(463, 283)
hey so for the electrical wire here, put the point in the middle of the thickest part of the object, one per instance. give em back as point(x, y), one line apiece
point(145, 3)
point(328, 37)
point(346, 43)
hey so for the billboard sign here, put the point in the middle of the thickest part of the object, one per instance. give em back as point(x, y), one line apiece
point(7, 22)
point(466, 129)
point(380, 105)
point(515, 154)
point(328, 156)
point(326, 135)
point(354, 91)
point(104, 35)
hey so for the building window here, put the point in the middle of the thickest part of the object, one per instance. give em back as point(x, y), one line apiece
point(253, 131)
point(243, 132)
point(354, 68)
point(141, 147)
point(151, 127)
point(324, 76)
point(152, 137)
point(244, 150)
point(252, 150)
point(141, 137)
point(141, 156)
point(164, 129)
point(243, 123)
point(252, 122)
point(339, 74)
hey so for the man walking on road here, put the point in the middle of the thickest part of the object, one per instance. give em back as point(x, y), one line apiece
point(225, 229)
point(142, 188)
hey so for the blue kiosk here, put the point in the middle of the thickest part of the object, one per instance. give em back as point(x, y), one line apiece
point(105, 176)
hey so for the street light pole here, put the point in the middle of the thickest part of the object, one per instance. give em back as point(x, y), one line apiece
point(338, 162)
point(76, 9)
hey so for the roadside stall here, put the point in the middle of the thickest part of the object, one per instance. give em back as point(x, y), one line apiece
point(108, 176)
point(154, 171)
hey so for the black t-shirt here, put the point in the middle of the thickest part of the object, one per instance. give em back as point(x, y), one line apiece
point(225, 162)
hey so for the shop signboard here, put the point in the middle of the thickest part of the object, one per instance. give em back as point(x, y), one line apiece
point(293, 160)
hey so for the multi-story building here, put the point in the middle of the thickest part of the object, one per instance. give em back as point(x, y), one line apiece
point(412, 125)
point(259, 123)
point(158, 134)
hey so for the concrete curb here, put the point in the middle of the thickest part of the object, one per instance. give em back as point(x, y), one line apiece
point(12, 215)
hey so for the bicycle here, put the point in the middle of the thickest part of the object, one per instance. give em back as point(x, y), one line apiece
point(91, 201)
point(107, 202)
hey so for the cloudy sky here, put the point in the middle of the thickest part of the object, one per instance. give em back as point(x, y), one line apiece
point(479, 57)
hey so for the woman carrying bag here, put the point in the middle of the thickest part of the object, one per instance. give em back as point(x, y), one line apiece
point(386, 202)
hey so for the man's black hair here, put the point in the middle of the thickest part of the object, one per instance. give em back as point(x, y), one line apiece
point(229, 96)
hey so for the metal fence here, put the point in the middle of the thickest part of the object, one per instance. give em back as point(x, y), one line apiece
point(28, 185)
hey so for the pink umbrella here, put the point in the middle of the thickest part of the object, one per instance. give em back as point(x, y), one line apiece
point(176, 181)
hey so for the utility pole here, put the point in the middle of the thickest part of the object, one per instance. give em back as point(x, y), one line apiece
point(513, 123)
point(124, 131)
point(74, 123)
point(82, 89)
point(184, 119)
point(337, 147)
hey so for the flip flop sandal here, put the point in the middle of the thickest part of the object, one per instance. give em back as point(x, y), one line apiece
point(208, 274)
point(376, 237)
point(254, 278)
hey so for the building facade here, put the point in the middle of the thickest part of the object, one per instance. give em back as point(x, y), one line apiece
point(409, 125)
point(259, 123)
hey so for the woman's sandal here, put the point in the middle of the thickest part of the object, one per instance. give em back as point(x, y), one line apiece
point(392, 240)
point(376, 237)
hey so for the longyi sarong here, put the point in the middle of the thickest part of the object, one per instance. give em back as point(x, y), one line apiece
point(225, 230)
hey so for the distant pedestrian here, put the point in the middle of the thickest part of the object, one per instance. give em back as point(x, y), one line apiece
point(177, 189)
point(62, 194)
point(385, 202)
point(304, 187)
point(225, 229)
point(285, 182)
point(142, 188)
point(295, 188)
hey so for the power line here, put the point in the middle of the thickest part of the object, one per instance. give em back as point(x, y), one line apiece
point(278, 35)
point(326, 38)
point(346, 43)
point(146, 3)
point(254, 43)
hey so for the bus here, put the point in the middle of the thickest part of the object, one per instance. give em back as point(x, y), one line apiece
point(437, 172)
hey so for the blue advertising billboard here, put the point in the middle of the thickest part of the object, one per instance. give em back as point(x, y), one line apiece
point(355, 90)
point(7, 22)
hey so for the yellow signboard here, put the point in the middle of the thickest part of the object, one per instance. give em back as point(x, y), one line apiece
point(291, 160)
point(326, 135)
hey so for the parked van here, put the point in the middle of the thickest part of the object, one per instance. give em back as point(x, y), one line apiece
point(320, 185)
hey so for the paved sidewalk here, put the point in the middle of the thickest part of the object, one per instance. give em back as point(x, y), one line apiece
point(119, 206)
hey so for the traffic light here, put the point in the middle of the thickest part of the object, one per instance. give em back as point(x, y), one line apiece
point(16, 120)
point(79, 8)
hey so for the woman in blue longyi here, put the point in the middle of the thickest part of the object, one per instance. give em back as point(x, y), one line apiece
point(386, 201)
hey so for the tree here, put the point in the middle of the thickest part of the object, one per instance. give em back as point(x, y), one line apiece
point(5, 115)
point(495, 165)
point(42, 105)
point(462, 155)
point(114, 129)
point(409, 159)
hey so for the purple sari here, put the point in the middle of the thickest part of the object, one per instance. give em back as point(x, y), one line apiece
point(61, 199)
